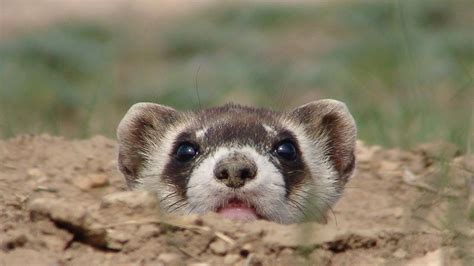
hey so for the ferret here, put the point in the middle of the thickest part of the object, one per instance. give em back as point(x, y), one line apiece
point(244, 163)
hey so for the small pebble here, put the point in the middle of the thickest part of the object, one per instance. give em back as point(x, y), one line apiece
point(91, 181)
point(170, 258)
point(130, 199)
point(400, 254)
point(433, 258)
point(219, 247)
point(35, 173)
point(398, 212)
point(148, 230)
point(231, 259)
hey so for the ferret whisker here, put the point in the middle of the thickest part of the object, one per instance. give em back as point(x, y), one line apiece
point(169, 195)
point(353, 187)
point(299, 206)
point(286, 207)
point(175, 203)
point(178, 207)
point(310, 203)
point(330, 209)
point(191, 211)
point(151, 175)
point(190, 187)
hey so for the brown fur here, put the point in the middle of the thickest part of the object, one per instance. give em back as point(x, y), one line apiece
point(332, 119)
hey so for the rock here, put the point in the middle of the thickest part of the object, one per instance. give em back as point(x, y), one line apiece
point(389, 169)
point(364, 153)
point(320, 257)
point(231, 259)
point(294, 236)
point(27, 257)
point(400, 254)
point(91, 181)
point(465, 162)
point(253, 261)
point(288, 257)
point(130, 199)
point(115, 239)
point(389, 166)
point(461, 171)
point(170, 259)
point(438, 150)
point(58, 211)
point(409, 177)
point(398, 212)
point(35, 173)
point(219, 247)
point(148, 230)
point(246, 249)
point(433, 258)
point(389, 213)
point(49, 235)
point(73, 217)
point(191, 219)
point(13, 240)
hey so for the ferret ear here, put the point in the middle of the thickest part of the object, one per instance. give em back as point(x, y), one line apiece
point(144, 122)
point(331, 120)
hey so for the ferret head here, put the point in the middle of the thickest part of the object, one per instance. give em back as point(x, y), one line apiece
point(241, 162)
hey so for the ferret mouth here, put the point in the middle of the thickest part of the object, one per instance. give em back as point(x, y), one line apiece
point(236, 209)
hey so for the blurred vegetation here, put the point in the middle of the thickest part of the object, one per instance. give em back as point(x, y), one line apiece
point(405, 68)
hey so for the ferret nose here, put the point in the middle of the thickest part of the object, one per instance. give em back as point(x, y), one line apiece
point(234, 171)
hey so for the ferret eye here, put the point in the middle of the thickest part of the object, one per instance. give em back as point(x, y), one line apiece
point(186, 152)
point(286, 150)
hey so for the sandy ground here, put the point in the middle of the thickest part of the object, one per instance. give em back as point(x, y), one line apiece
point(63, 202)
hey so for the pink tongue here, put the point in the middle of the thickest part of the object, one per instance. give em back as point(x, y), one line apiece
point(242, 213)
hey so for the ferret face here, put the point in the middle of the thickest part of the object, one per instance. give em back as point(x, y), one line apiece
point(241, 162)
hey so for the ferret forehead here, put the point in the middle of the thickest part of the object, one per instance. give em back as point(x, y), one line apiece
point(233, 111)
point(234, 125)
point(237, 132)
point(235, 116)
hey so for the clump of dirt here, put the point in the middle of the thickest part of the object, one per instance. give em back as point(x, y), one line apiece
point(64, 202)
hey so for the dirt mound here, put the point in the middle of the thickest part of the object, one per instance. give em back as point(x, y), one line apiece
point(63, 202)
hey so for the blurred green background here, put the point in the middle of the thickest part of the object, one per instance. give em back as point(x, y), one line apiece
point(404, 68)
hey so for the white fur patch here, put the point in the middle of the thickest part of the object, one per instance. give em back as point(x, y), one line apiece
point(201, 133)
point(324, 186)
point(266, 192)
point(157, 156)
point(269, 129)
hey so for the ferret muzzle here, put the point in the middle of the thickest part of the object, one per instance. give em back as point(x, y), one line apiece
point(235, 170)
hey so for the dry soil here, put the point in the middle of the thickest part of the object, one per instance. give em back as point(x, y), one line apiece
point(62, 202)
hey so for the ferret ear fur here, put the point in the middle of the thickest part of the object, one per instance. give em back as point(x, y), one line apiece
point(143, 122)
point(331, 120)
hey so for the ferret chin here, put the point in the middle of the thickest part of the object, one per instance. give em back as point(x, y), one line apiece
point(241, 162)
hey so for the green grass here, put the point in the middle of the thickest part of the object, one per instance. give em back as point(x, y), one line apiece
point(403, 67)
